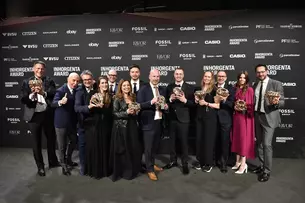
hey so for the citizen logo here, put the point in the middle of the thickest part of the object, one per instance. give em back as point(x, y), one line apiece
point(116, 30)
point(93, 44)
point(50, 45)
point(29, 33)
point(72, 58)
point(51, 58)
point(12, 96)
point(163, 42)
point(163, 56)
point(30, 46)
point(237, 55)
point(9, 34)
point(139, 29)
point(116, 57)
point(187, 28)
point(13, 120)
point(71, 32)
point(139, 43)
point(212, 42)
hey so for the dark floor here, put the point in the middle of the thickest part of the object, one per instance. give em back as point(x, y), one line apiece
point(19, 183)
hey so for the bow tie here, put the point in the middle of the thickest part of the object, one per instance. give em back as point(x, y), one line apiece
point(177, 85)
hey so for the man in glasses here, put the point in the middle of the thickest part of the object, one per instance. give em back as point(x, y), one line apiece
point(113, 85)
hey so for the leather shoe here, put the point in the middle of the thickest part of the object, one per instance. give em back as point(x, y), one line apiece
point(157, 168)
point(170, 165)
point(223, 169)
point(264, 177)
point(66, 171)
point(185, 170)
point(41, 172)
point(258, 170)
point(152, 176)
point(54, 165)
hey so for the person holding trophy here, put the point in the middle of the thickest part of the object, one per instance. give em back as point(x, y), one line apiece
point(269, 97)
point(243, 123)
point(206, 122)
point(98, 131)
point(125, 151)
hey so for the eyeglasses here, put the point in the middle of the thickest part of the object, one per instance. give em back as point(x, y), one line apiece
point(258, 72)
point(87, 80)
point(221, 76)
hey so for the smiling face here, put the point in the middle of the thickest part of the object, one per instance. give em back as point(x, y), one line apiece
point(154, 76)
point(103, 85)
point(242, 80)
point(261, 72)
point(221, 77)
point(87, 80)
point(39, 70)
point(126, 87)
point(134, 73)
point(178, 75)
point(207, 77)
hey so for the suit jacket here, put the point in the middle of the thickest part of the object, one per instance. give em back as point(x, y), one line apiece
point(141, 83)
point(29, 105)
point(272, 113)
point(226, 109)
point(147, 113)
point(115, 88)
point(65, 116)
point(178, 110)
point(82, 100)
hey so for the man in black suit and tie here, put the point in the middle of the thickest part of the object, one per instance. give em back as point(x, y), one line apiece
point(179, 115)
point(224, 117)
point(113, 85)
point(151, 119)
point(135, 81)
point(82, 106)
point(39, 115)
point(65, 121)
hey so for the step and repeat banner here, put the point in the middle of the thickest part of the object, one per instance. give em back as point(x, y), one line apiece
point(200, 41)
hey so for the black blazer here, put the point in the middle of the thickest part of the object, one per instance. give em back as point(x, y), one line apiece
point(29, 105)
point(178, 110)
point(147, 113)
point(225, 112)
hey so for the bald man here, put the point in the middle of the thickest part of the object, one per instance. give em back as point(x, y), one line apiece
point(113, 85)
point(65, 121)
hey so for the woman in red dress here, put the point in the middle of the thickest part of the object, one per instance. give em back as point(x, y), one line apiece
point(243, 124)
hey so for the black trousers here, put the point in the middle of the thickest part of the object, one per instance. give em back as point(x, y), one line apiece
point(151, 140)
point(223, 143)
point(42, 122)
point(178, 133)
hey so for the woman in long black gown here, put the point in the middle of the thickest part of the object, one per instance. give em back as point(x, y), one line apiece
point(97, 134)
point(206, 123)
point(125, 152)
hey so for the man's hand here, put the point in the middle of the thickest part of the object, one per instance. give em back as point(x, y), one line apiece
point(181, 98)
point(276, 100)
point(173, 97)
point(154, 100)
point(64, 100)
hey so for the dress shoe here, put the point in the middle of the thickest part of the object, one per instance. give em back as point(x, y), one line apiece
point(197, 166)
point(152, 176)
point(41, 172)
point(242, 169)
point(264, 177)
point(170, 165)
point(185, 169)
point(55, 165)
point(66, 171)
point(223, 169)
point(157, 168)
point(237, 165)
point(258, 170)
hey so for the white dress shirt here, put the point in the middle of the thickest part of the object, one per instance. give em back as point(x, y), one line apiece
point(221, 86)
point(113, 86)
point(265, 83)
point(132, 84)
point(41, 102)
point(157, 114)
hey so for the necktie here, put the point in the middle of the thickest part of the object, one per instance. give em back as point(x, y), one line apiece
point(111, 89)
point(259, 106)
point(134, 87)
point(157, 95)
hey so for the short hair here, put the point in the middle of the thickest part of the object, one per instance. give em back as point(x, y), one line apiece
point(41, 63)
point(259, 65)
point(179, 69)
point(134, 66)
point(86, 72)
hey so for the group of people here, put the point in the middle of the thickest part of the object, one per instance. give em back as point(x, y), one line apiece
point(112, 134)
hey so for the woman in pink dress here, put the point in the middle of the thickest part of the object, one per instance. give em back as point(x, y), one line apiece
point(243, 124)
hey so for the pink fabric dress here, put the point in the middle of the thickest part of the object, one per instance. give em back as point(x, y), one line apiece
point(242, 136)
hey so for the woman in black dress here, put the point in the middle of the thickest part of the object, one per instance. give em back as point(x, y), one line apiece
point(125, 151)
point(97, 133)
point(206, 123)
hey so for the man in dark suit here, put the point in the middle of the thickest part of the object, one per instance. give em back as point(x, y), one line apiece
point(65, 120)
point(267, 118)
point(113, 85)
point(224, 117)
point(150, 120)
point(135, 81)
point(82, 106)
point(179, 115)
point(39, 115)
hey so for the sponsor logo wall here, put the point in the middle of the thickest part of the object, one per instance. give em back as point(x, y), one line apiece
point(227, 43)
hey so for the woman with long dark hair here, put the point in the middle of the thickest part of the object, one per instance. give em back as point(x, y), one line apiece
point(98, 131)
point(243, 123)
point(125, 150)
point(206, 123)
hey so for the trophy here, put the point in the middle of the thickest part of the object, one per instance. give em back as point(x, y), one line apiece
point(177, 91)
point(200, 94)
point(160, 104)
point(223, 92)
point(271, 95)
point(35, 83)
point(241, 105)
point(135, 106)
point(97, 99)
